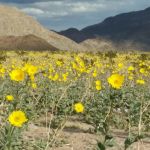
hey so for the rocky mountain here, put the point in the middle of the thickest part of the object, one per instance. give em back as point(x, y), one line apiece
point(13, 22)
point(27, 42)
point(127, 30)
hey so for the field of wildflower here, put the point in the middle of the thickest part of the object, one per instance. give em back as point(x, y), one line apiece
point(105, 90)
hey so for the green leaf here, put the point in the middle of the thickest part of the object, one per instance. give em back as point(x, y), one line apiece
point(101, 146)
point(130, 140)
point(109, 141)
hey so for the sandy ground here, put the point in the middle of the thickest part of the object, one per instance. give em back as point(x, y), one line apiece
point(77, 136)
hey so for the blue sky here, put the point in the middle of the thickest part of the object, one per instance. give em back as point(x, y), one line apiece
point(62, 14)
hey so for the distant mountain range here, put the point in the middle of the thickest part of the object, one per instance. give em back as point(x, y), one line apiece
point(124, 31)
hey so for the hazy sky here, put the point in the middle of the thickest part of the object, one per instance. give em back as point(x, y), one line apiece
point(63, 14)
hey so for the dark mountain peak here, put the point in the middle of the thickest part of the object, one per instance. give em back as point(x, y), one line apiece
point(71, 30)
point(73, 34)
point(109, 19)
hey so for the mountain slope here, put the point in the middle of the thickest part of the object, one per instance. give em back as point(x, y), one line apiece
point(27, 42)
point(123, 26)
point(13, 22)
point(98, 45)
point(131, 28)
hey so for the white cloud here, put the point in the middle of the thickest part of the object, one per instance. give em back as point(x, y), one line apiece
point(63, 8)
point(33, 11)
point(56, 14)
point(51, 9)
point(49, 4)
point(86, 7)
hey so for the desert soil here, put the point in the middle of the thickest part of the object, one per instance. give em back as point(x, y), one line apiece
point(78, 136)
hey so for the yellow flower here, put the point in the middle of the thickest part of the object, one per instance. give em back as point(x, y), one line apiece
point(34, 85)
point(56, 76)
point(116, 81)
point(131, 68)
point(98, 82)
point(9, 98)
point(32, 78)
point(120, 65)
point(140, 81)
point(78, 107)
point(98, 85)
point(94, 73)
point(74, 65)
point(130, 77)
point(65, 75)
point(2, 72)
point(59, 63)
point(30, 69)
point(17, 75)
point(142, 70)
point(82, 64)
point(17, 118)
